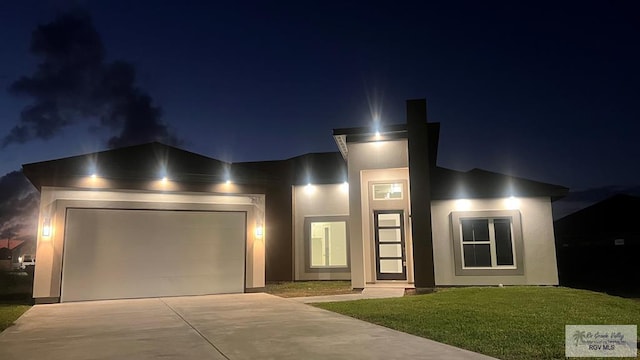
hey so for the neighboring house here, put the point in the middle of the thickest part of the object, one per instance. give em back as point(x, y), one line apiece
point(10, 252)
point(598, 247)
point(154, 220)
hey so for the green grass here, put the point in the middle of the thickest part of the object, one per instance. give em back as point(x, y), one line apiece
point(308, 288)
point(507, 323)
point(9, 313)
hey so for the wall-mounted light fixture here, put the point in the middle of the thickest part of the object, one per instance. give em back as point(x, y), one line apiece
point(344, 187)
point(309, 189)
point(46, 227)
point(259, 232)
point(512, 203)
point(377, 137)
point(463, 204)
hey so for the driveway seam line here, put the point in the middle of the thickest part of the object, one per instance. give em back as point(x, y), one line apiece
point(194, 328)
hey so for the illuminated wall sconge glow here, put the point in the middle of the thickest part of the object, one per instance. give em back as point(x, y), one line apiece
point(377, 135)
point(512, 203)
point(344, 187)
point(463, 204)
point(228, 182)
point(309, 189)
point(164, 179)
point(46, 227)
point(259, 232)
point(93, 176)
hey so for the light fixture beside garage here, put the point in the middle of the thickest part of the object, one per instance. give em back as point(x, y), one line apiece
point(46, 227)
point(259, 232)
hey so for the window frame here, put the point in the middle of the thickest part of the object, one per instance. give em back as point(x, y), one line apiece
point(308, 248)
point(517, 245)
point(390, 183)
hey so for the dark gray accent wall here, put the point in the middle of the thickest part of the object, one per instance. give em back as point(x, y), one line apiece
point(419, 182)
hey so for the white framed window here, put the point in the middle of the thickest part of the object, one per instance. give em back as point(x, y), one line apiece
point(487, 242)
point(327, 246)
point(388, 191)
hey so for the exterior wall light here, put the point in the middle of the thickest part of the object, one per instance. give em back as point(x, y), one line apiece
point(309, 188)
point(228, 182)
point(512, 203)
point(344, 187)
point(259, 232)
point(93, 176)
point(377, 135)
point(463, 204)
point(164, 179)
point(46, 227)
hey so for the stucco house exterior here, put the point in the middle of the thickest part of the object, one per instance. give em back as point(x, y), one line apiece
point(154, 220)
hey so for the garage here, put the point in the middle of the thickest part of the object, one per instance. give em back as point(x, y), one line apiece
point(134, 253)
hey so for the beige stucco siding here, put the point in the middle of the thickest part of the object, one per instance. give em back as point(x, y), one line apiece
point(316, 201)
point(367, 156)
point(55, 201)
point(537, 235)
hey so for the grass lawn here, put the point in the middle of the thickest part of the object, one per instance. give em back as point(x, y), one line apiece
point(15, 296)
point(308, 288)
point(9, 313)
point(508, 323)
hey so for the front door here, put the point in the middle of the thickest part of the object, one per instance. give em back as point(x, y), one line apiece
point(389, 236)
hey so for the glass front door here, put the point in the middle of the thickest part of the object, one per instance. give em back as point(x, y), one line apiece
point(390, 252)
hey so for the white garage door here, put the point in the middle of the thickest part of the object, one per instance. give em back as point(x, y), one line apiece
point(114, 253)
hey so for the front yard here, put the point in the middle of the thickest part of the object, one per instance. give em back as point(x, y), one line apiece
point(15, 296)
point(508, 323)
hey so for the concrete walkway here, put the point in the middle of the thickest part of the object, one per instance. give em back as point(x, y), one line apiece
point(367, 293)
point(241, 326)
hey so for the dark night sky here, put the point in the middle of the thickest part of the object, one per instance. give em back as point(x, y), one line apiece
point(547, 91)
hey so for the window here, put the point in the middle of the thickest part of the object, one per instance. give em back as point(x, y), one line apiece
point(387, 191)
point(327, 245)
point(487, 242)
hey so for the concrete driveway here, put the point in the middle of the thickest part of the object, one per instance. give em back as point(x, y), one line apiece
point(241, 326)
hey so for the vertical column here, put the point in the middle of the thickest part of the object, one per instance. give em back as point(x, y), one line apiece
point(419, 182)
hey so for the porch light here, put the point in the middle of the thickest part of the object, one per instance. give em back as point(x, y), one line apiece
point(512, 203)
point(164, 179)
point(228, 182)
point(309, 189)
point(463, 204)
point(377, 135)
point(259, 232)
point(93, 176)
point(46, 227)
point(344, 187)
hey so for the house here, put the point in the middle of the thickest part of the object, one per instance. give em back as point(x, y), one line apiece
point(154, 220)
point(11, 250)
point(598, 246)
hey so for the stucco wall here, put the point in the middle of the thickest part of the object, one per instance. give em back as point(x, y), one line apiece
point(367, 156)
point(318, 200)
point(369, 177)
point(537, 234)
point(54, 201)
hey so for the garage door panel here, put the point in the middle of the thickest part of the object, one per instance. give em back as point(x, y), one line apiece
point(145, 253)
